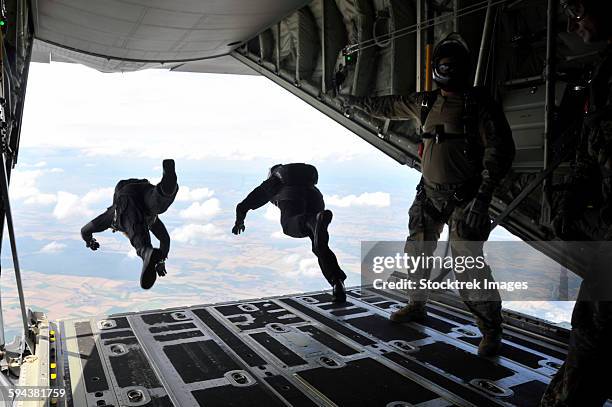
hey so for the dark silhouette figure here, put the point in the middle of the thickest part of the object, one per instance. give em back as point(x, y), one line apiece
point(291, 187)
point(581, 380)
point(136, 204)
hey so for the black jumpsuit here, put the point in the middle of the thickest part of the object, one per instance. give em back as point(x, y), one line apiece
point(299, 206)
point(136, 204)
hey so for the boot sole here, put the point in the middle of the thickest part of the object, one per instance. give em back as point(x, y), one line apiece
point(149, 275)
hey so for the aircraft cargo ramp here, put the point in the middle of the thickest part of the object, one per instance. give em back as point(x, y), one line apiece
point(299, 350)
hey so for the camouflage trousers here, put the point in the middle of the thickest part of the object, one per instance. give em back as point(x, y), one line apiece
point(425, 231)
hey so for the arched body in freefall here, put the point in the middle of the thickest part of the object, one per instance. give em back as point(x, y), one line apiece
point(291, 187)
point(134, 212)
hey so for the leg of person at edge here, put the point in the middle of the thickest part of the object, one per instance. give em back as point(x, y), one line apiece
point(291, 187)
point(467, 149)
point(582, 379)
point(134, 212)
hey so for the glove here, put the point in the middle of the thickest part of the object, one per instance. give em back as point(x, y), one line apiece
point(160, 268)
point(478, 214)
point(238, 227)
point(92, 244)
point(239, 224)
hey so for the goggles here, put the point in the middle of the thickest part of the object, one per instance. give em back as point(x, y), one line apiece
point(445, 68)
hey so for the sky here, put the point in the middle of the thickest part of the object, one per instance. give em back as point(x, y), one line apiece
point(83, 131)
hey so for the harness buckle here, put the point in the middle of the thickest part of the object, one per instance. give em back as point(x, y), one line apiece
point(424, 102)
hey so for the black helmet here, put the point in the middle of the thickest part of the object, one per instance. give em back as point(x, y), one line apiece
point(455, 73)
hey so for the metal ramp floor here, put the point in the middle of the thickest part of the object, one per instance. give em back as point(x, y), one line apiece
point(299, 350)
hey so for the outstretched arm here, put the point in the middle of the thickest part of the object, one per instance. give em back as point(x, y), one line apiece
point(255, 200)
point(99, 224)
point(159, 231)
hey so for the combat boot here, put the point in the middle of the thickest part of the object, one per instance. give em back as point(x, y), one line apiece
point(338, 292)
point(490, 344)
point(150, 260)
point(413, 312)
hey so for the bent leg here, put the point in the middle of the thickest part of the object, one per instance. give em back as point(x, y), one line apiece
point(157, 202)
point(159, 197)
point(328, 262)
point(131, 221)
point(139, 238)
point(168, 183)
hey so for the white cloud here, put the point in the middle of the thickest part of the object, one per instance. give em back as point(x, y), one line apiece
point(202, 211)
point(376, 199)
point(193, 233)
point(554, 311)
point(70, 205)
point(132, 254)
point(272, 213)
point(53, 247)
point(186, 194)
point(39, 164)
point(41, 199)
point(24, 185)
point(292, 258)
point(128, 100)
point(299, 265)
point(98, 195)
point(309, 267)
